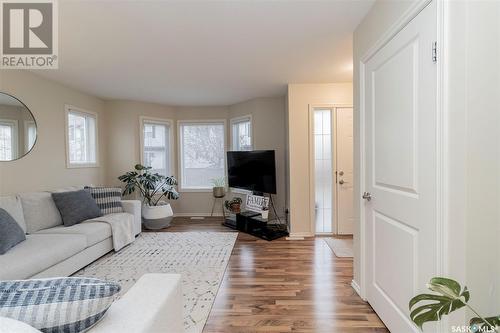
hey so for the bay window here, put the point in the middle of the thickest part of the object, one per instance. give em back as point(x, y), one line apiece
point(202, 153)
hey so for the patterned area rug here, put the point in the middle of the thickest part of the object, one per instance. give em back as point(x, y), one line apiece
point(341, 247)
point(200, 257)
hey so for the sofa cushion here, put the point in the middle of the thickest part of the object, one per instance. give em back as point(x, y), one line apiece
point(39, 252)
point(76, 206)
point(12, 204)
point(40, 211)
point(58, 305)
point(11, 233)
point(94, 231)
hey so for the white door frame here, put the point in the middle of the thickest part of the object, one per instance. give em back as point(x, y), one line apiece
point(443, 141)
point(312, 186)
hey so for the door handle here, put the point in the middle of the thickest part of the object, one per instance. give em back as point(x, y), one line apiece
point(367, 196)
point(341, 181)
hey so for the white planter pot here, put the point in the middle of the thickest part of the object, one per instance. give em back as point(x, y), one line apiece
point(157, 217)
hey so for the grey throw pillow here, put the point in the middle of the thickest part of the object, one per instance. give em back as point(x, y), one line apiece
point(11, 233)
point(76, 206)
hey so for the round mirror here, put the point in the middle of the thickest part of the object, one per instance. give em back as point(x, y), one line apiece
point(17, 128)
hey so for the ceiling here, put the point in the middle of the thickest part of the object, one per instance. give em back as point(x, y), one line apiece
point(203, 52)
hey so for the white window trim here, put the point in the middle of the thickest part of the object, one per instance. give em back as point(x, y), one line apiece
point(233, 121)
point(15, 137)
point(160, 121)
point(236, 120)
point(26, 135)
point(179, 141)
point(73, 109)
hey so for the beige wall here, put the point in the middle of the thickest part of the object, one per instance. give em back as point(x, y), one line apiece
point(482, 114)
point(471, 56)
point(300, 98)
point(45, 166)
point(268, 121)
point(124, 145)
point(119, 147)
point(123, 134)
point(124, 149)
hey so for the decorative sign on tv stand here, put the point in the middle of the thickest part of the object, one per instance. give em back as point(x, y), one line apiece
point(256, 203)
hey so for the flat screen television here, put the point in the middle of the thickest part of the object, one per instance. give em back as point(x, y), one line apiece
point(252, 170)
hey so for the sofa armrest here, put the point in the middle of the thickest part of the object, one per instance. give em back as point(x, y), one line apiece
point(134, 207)
point(13, 326)
point(154, 304)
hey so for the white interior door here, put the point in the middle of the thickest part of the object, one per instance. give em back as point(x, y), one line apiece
point(345, 188)
point(400, 83)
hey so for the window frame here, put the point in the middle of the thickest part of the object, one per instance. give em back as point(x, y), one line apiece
point(180, 151)
point(27, 124)
point(86, 113)
point(159, 121)
point(237, 120)
point(13, 123)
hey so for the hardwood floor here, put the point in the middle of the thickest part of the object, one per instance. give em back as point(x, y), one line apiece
point(284, 286)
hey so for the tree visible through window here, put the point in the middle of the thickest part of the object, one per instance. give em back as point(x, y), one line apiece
point(156, 148)
point(202, 154)
point(82, 138)
point(241, 133)
point(30, 134)
point(6, 142)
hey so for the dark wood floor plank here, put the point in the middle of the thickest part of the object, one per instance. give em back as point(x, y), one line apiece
point(284, 286)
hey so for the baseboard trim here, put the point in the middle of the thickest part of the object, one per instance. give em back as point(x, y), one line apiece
point(356, 287)
point(294, 238)
point(299, 235)
point(197, 215)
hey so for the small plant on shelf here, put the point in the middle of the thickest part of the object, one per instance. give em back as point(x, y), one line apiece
point(233, 205)
point(448, 296)
point(219, 189)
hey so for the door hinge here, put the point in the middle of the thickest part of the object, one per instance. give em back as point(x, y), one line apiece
point(434, 52)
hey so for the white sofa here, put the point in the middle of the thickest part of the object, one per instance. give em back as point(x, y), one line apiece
point(51, 249)
point(152, 305)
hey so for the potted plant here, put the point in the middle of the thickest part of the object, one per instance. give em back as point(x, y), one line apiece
point(448, 296)
point(153, 187)
point(234, 205)
point(219, 189)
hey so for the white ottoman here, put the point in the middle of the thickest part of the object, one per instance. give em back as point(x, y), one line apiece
point(154, 304)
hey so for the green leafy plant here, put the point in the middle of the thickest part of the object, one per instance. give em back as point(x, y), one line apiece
point(448, 296)
point(218, 182)
point(233, 205)
point(152, 186)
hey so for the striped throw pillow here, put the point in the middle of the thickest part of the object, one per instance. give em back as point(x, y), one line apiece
point(58, 305)
point(107, 198)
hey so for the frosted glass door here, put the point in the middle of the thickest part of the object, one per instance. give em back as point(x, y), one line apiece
point(323, 174)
